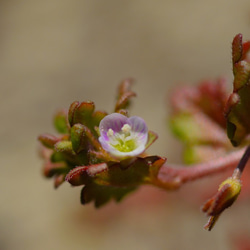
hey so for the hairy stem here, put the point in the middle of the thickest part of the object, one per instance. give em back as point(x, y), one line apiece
point(173, 176)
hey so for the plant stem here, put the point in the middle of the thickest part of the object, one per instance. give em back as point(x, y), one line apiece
point(244, 160)
point(173, 176)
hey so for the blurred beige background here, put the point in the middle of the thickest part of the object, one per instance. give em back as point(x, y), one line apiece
point(53, 52)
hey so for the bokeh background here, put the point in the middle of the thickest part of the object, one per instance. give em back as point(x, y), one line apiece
point(53, 52)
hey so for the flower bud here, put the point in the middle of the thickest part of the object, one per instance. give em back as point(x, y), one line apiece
point(227, 194)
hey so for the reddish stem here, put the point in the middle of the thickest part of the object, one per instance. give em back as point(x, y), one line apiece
point(244, 160)
point(173, 176)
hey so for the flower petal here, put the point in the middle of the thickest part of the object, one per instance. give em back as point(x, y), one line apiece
point(139, 129)
point(114, 121)
point(138, 124)
point(138, 132)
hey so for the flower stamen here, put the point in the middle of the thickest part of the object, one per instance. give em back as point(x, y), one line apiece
point(123, 137)
point(126, 128)
point(122, 140)
point(110, 132)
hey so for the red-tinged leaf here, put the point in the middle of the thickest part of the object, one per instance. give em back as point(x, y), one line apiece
point(80, 113)
point(124, 100)
point(50, 168)
point(241, 74)
point(237, 48)
point(103, 182)
point(125, 174)
point(209, 98)
point(124, 95)
point(246, 48)
point(71, 113)
point(212, 99)
point(125, 86)
point(59, 180)
point(226, 195)
point(155, 167)
point(237, 109)
point(84, 174)
point(97, 116)
point(123, 112)
point(198, 118)
point(211, 222)
point(48, 140)
point(216, 205)
point(78, 176)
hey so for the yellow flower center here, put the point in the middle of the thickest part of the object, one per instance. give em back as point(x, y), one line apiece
point(123, 141)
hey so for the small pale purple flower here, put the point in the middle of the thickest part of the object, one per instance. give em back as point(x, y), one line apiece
point(123, 137)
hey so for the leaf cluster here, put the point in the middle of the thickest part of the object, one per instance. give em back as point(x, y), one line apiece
point(75, 155)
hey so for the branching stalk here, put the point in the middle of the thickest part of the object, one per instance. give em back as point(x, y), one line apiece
point(173, 176)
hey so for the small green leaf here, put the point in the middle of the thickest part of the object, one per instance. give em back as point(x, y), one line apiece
point(81, 113)
point(186, 128)
point(194, 154)
point(100, 195)
point(57, 157)
point(152, 137)
point(78, 137)
point(198, 128)
point(61, 122)
point(48, 140)
point(64, 146)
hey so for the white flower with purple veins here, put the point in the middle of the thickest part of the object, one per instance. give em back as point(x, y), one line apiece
point(123, 137)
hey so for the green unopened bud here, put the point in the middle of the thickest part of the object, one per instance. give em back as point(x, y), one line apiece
point(227, 194)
